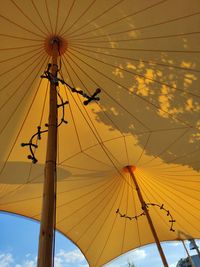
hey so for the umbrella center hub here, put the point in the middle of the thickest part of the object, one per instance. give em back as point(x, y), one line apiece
point(129, 168)
point(48, 44)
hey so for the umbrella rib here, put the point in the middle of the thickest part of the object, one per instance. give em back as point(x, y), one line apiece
point(109, 185)
point(19, 47)
point(42, 114)
point(20, 85)
point(78, 19)
point(106, 115)
point(143, 181)
point(126, 211)
point(40, 122)
point(22, 185)
point(28, 176)
point(86, 194)
point(157, 212)
point(26, 16)
point(182, 175)
point(21, 63)
point(74, 120)
point(165, 178)
point(19, 26)
point(120, 19)
point(110, 232)
point(150, 62)
point(137, 28)
point(47, 9)
point(34, 179)
point(20, 38)
point(70, 108)
point(175, 202)
point(40, 16)
point(78, 168)
point(115, 193)
point(135, 213)
point(166, 169)
point(97, 160)
point(57, 15)
point(99, 140)
point(138, 39)
point(126, 150)
point(176, 158)
point(114, 100)
point(100, 15)
point(167, 147)
point(138, 49)
point(78, 198)
point(117, 196)
point(83, 151)
point(27, 91)
point(168, 187)
point(38, 197)
point(20, 55)
point(127, 89)
point(88, 116)
point(143, 150)
point(20, 201)
point(95, 218)
point(98, 137)
point(94, 131)
point(67, 16)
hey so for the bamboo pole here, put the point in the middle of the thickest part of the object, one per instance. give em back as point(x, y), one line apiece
point(190, 259)
point(46, 239)
point(162, 255)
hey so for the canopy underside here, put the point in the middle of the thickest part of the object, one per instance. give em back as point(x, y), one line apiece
point(144, 55)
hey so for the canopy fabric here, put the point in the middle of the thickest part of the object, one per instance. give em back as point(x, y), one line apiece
point(144, 55)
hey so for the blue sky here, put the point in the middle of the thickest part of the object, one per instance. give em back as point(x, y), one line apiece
point(19, 241)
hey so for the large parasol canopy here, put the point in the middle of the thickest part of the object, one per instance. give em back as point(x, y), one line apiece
point(144, 55)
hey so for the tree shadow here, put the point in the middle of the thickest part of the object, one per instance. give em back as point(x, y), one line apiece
point(156, 94)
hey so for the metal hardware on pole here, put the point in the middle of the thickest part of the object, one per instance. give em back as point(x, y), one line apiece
point(46, 239)
point(162, 255)
point(190, 259)
point(193, 245)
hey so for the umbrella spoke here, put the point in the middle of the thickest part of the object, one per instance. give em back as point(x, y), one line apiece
point(29, 18)
point(80, 17)
point(120, 19)
point(136, 28)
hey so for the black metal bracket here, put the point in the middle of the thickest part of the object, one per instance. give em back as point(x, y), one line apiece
point(130, 217)
point(31, 145)
point(146, 206)
point(55, 80)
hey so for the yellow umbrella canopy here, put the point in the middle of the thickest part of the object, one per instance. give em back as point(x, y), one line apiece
point(144, 55)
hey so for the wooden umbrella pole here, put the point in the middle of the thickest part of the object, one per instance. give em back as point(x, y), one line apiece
point(190, 259)
point(162, 255)
point(46, 239)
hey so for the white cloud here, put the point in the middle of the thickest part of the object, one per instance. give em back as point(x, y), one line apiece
point(71, 256)
point(175, 244)
point(62, 259)
point(172, 265)
point(132, 256)
point(28, 263)
point(6, 259)
point(137, 255)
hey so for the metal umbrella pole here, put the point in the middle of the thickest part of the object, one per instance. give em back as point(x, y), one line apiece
point(162, 255)
point(190, 259)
